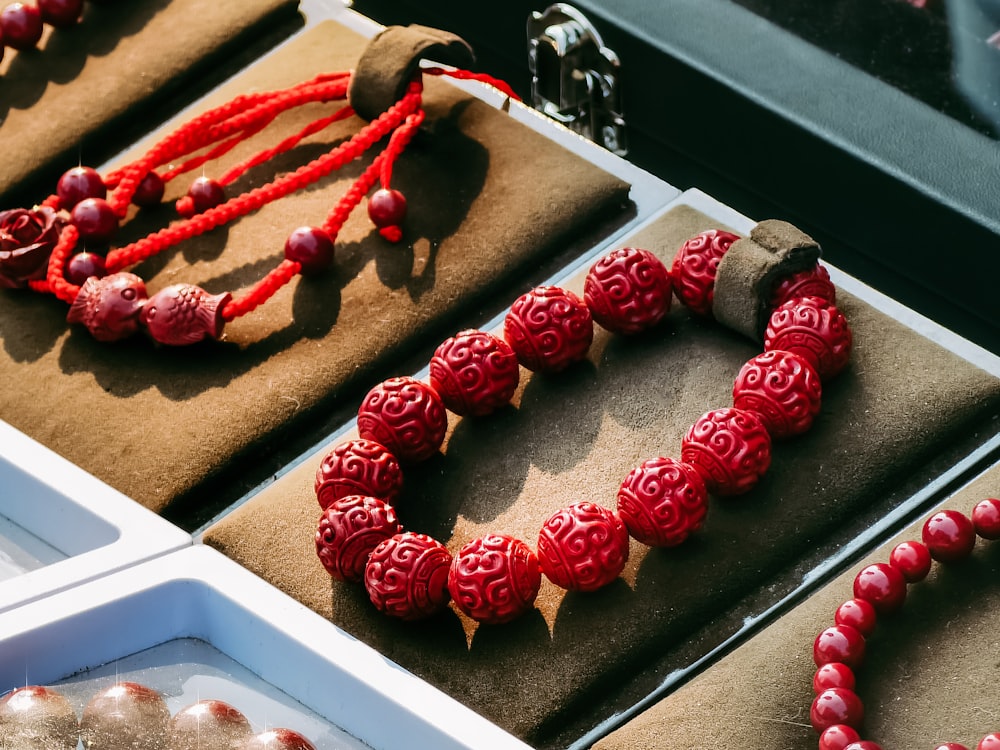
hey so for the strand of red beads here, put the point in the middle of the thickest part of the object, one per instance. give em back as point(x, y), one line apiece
point(585, 546)
point(880, 588)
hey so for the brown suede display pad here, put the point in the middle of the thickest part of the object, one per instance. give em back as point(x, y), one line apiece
point(929, 674)
point(85, 89)
point(489, 201)
point(574, 437)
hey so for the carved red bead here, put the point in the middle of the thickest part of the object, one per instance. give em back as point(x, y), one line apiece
point(407, 576)
point(836, 706)
point(838, 737)
point(814, 329)
point(349, 530)
point(811, 282)
point(731, 449)
point(859, 614)
point(358, 467)
point(406, 416)
point(881, 585)
point(662, 501)
point(475, 373)
point(695, 267)
point(494, 579)
point(628, 290)
point(549, 328)
point(583, 547)
point(912, 559)
point(109, 306)
point(986, 518)
point(949, 535)
point(782, 388)
point(183, 314)
point(839, 644)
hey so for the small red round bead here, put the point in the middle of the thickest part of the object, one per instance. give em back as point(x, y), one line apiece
point(839, 644)
point(406, 416)
point(731, 449)
point(951, 746)
point(278, 738)
point(837, 737)
point(206, 193)
point(407, 576)
point(811, 282)
point(95, 220)
point(82, 266)
point(358, 467)
point(882, 585)
point(949, 535)
point(986, 518)
point(864, 745)
point(628, 290)
point(662, 501)
point(149, 192)
point(831, 675)
point(61, 13)
point(494, 579)
point(836, 706)
point(312, 248)
point(79, 183)
point(912, 559)
point(475, 373)
point(859, 614)
point(989, 742)
point(583, 547)
point(349, 529)
point(814, 329)
point(782, 388)
point(549, 328)
point(21, 25)
point(387, 208)
point(695, 266)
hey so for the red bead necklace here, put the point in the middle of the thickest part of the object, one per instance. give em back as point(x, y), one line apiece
point(37, 246)
point(585, 546)
point(837, 712)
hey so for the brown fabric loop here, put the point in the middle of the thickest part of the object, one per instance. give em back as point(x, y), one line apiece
point(391, 59)
point(751, 267)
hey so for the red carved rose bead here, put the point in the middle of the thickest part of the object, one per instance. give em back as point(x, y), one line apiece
point(836, 706)
point(662, 501)
point(731, 449)
point(814, 329)
point(838, 737)
point(628, 290)
point(695, 267)
point(358, 467)
point(79, 183)
point(782, 388)
point(986, 518)
point(882, 585)
point(27, 238)
point(407, 576)
point(949, 535)
point(183, 314)
point(583, 547)
point(494, 579)
point(839, 644)
point(549, 328)
point(912, 559)
point(406, 416)
point(833, 674)
point(109, 306)
point(859, 614)
point(349, 529)
point(475, 373)
point(810, 282)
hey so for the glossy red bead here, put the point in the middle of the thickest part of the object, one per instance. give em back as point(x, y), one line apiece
point(95, 220)
point(986, 518)
point(831, 675)
point(61, 13)
point(809, 282)
point(836, 706)
point(149, 191)
point(82, 266)
point(278, 738)
point(814, 329)
point(406, 416)
point(21, 25)
point(837, 737)
point(864, 745)
point(950, 746)
point(407, 576)
point(312, 248)
point(730, 448)
point(475, 373)
point(494, 579)
point(79, 183)
point(783, 389)
point(662, 502)
point(949, 535)
point(206, 193)
point(387, 208)
point(882, 585)
point(358, 467)
point(583, 547)
point(859, 614)
point(695, 266)
point(349, 530)
point(549, 328)
point(628, 290)
point(839, 644)
point(989, 742)
point(912, 559)
point(183, 314)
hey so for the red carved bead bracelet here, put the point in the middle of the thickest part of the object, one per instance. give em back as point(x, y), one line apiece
point(495, 578)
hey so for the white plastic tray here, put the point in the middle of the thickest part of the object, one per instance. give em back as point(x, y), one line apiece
point(235, 638)
point(59, 526)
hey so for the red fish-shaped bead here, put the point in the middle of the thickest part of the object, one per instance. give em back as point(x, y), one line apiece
point(109, 306)
point(184, 314)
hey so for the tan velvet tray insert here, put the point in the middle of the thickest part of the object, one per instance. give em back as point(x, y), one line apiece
point(489, 200)
point(575, 437)
point(929, 674)
point(86, 92)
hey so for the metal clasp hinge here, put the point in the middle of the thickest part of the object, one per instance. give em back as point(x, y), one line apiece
point(574, 77)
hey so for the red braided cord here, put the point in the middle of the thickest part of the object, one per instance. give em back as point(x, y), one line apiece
point(262, 291)
point(466, 75)
point(55, 282)
point(349, 200)
point(398, 142)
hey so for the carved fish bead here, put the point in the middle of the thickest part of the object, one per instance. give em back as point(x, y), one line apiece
point(184, 314)
point(109, 306)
